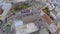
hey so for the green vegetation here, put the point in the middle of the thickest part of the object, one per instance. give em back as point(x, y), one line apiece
point(46, 10)
point(24, 6)
point(37, 32)
point(1, 23)
point(20, 7)
point(8, 27)
point(14, 12)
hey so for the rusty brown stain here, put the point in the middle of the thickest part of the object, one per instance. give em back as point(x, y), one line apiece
point(1, 11)
point(47, 19)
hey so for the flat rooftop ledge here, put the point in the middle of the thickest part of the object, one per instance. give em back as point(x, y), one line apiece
point(6, 7)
